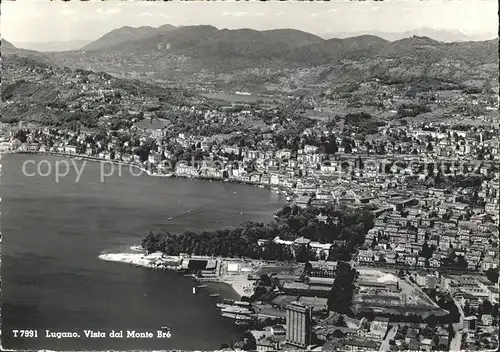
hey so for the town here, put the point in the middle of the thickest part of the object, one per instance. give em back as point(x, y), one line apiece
point(422, 274)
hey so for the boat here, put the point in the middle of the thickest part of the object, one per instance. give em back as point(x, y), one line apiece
point(240, 322)
point(214, 295)
point(194, 290)
point(241, 303)
point(236, 316)
point(261, 186)
point(202, 286)
point(222, 305)
point(236, 310)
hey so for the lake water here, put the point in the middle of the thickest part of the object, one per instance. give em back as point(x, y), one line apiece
point(232, 98)
point(54, 232)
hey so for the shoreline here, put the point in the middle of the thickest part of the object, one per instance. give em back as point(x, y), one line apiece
point(282, 190)
point(239, 283)
point(153, 261)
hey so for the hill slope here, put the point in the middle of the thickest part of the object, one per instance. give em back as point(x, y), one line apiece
point(8, 49)
point(250, 58)
point(36, 92)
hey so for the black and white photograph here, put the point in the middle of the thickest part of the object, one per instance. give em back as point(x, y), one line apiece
point(249, 175)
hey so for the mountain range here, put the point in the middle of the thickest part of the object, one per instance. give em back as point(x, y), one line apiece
point(248, 57)
point(53, 45)
point(442, 35)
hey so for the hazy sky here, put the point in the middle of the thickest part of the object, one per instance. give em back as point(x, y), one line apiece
point(42, 21)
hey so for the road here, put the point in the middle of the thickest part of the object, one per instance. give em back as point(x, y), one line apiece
point(390, 336)
point(456, 342)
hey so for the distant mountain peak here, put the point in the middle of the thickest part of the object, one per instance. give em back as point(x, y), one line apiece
point(417, 40)
point(126, 33)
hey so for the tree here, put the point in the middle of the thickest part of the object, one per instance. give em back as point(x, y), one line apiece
point(307, 267)
point(338, 334)
point(467, 309)
point(492, 274)
point(486, 307)
point(340, 297)
point(461, 262)
point(431, 320)
point(451, 332)
point(494, 313)
point(341, 321)
point(265, 280)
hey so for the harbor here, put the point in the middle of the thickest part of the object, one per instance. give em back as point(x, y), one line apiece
point(202, 269)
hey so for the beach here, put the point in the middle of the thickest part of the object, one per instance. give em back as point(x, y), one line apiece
point(240, 284)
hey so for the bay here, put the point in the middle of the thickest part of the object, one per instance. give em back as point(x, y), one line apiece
point(53, 233)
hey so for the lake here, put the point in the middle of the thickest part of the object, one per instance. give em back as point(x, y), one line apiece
point(233, 98)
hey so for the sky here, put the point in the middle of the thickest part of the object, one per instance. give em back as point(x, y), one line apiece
point(45, 21)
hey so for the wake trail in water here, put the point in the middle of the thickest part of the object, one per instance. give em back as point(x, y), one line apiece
point(190, 212)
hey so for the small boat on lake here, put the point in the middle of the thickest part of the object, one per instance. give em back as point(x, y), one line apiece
point(222, 305)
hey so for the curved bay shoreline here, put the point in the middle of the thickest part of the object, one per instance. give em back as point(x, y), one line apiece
point(281, 189)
